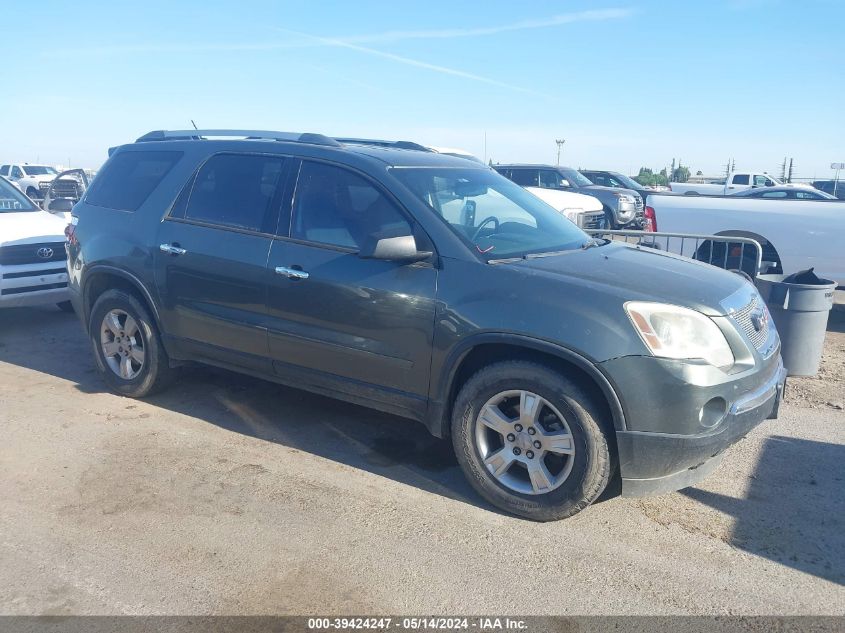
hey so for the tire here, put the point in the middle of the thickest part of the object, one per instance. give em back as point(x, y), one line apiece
point(65, 306)
point(32, 193)
point(145, 376)
point(583, 475)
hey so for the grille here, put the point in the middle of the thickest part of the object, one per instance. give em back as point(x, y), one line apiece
point(67, 188)
point(592, 220)
point(745, 318)
point(28, 253)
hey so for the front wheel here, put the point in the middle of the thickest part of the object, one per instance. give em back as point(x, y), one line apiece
point(126, 345)
point(529, 440)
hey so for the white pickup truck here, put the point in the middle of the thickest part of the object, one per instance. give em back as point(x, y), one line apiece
point(33, 269)
point(736, 181)
point(795, 234)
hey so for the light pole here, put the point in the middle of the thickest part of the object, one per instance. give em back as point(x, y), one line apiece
point(560, 143)
point(838, 167)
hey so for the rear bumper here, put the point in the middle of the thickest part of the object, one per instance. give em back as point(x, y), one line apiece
point(653, 463)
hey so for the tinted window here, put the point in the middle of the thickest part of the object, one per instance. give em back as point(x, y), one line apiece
point(4, 170)
point(525, 177)
point(128, 178)
point(741, 179)
point(808, 195)
point(236, 190)
point(773, 194)
point(16, 172)
point(335, 206)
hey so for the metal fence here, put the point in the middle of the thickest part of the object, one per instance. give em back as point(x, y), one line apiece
point(724, 251)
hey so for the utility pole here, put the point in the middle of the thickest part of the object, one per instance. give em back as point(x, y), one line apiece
point(560, 143)
point(672, 173)
point(789, 178)
point(783, 170)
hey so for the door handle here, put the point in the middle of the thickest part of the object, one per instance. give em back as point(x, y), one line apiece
point(172, 250)
point(291, 273)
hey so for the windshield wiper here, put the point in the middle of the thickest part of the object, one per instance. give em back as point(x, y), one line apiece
point(592, 243)
point(547, 254)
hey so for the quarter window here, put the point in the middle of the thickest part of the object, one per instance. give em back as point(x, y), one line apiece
point(128, 178)
point(335, 206)
point(237, 191)
point(741, 179)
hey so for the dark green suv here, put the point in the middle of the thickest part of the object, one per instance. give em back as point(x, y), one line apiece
point(430, 287)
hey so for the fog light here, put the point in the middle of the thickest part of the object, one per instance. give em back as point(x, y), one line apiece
point(712, 412)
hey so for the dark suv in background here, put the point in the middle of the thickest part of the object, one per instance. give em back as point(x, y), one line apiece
point(426, 286)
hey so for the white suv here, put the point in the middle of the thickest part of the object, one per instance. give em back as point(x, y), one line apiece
point(33, 180)
point(33, 268)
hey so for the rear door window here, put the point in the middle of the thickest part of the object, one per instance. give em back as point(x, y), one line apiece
point(525, 177)
point(741, 179)
point(237, 191)
point(128, 178)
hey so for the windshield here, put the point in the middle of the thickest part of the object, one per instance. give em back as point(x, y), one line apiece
point(495, 217)
point(627, 183)
point(12, 200)
point(575, 178)
point(38, 170)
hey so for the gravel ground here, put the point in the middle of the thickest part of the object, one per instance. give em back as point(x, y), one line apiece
point(228, 495)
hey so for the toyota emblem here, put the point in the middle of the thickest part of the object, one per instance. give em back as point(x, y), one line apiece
point(44, 252)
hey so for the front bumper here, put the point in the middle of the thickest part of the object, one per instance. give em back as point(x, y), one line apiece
point(656, 462)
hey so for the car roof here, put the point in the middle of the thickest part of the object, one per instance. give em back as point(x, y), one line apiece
point(532, 166)
point(392, 153)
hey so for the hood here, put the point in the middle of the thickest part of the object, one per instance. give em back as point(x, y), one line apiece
point(561, 200)
point(610, 191)
point(642, 274)
point(30, 227)
point(42, 177)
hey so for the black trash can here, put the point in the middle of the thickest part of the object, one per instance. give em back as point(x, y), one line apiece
point(800, 312)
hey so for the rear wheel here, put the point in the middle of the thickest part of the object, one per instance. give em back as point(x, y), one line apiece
point(32, 192)
point(529, 441)
point(127, 347)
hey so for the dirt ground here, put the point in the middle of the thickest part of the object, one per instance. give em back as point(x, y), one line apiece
point(229, 495)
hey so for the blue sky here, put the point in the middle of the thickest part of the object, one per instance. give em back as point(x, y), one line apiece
point(625, 83)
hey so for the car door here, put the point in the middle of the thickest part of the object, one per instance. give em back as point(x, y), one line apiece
point(339, 323)
point(211, 264)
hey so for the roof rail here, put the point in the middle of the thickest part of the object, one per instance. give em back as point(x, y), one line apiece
point(185, 135)
point(382, 143)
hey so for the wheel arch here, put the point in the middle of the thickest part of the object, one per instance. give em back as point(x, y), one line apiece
point(484, 349)
point(764, 242)
point(102, 278)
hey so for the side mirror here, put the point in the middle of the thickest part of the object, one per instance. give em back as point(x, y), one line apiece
point(401, 248)
point(769, 183)
point(63, 205)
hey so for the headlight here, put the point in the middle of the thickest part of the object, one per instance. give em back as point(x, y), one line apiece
point(675, 332)
point(572, 212)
